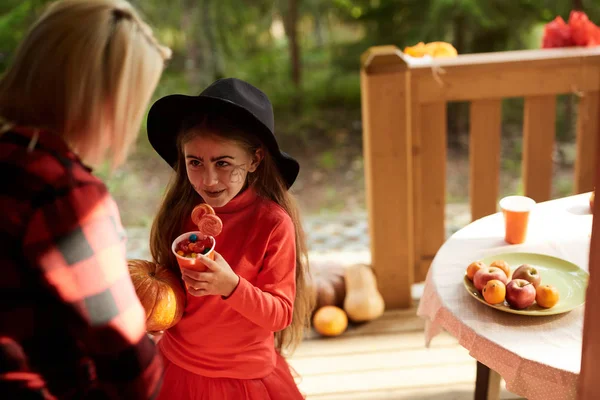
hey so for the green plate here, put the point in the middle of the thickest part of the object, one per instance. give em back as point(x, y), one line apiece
point(570, 280)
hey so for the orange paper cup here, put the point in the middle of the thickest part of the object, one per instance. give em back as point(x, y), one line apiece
point(516, 210)
point(192, 263)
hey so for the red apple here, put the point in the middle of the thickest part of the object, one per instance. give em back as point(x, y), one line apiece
point(520, 293)
point(486, 274)
point(529, 273)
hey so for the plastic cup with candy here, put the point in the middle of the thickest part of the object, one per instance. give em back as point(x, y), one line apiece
point(187, 246)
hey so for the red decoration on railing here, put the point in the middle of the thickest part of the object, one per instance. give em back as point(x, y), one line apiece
point(580, 31)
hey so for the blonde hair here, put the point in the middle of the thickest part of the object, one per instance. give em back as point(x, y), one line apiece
point(86, 71)
point(180, 198)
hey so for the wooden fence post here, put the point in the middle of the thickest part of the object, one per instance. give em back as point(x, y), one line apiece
point(589, 384)
point(387, 150)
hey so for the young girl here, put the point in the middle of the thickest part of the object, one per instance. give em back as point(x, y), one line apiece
point(71, 326)
point(252, 303)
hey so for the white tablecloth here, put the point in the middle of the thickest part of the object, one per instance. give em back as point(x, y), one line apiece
point(538, 357)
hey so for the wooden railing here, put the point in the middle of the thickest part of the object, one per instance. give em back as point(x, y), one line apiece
point(404, 138)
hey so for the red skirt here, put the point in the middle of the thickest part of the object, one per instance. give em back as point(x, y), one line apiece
point(180, 384)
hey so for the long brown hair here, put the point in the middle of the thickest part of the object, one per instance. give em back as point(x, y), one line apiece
point(180, 198)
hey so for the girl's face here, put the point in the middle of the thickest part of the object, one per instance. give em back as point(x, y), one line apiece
point(217, 168)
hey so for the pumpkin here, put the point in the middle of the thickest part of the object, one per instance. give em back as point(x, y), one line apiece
point(330, 321)
point(329, 286)
point(160, 292)
point(433, 49)
point(363, 301)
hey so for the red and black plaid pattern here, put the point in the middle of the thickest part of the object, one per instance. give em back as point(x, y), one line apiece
point(71, 325)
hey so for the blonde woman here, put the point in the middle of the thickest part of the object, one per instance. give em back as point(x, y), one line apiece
point(71, 325)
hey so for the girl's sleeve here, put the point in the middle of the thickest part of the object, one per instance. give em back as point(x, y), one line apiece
point(269, 303)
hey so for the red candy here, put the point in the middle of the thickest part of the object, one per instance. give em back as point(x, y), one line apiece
point(188, 248)
point(184, 245)
point(196, 247)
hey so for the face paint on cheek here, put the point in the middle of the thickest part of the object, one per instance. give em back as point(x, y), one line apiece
point(237, 174)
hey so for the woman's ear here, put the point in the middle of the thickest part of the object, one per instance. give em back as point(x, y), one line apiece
point(257, 158)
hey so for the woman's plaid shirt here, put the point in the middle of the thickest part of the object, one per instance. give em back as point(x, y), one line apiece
point(71, 325)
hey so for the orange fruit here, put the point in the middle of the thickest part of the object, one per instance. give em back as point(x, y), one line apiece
point(440, 49)
point(330, 321)
point(546, 296)
point(503, 265)
point(494, 291)
point(473, 268)
point(433, 49)
point(418, 50)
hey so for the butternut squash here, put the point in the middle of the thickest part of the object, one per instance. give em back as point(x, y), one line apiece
point(363, 301)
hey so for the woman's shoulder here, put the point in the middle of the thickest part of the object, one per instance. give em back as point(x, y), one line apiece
point(45, 164)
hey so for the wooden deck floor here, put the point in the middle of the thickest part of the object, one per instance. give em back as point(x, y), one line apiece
point(386, 359)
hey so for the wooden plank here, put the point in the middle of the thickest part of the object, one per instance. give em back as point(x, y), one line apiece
point(461, 80)
point(588, 129)
point(385, 379)
point(589, 384)
point(456, 391)
point(484, 156)
point(374, 343)
point(538, 145)
point(418, 165)
point(535, 57)
point(397, 321)
point(387, 360)
point(325, 366)
point(383, 325)
point(387, 153)
point(432, 183)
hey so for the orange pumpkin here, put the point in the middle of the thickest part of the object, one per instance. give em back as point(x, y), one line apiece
point(160, 292)
point(330, 321)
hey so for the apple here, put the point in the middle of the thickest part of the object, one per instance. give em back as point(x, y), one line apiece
point(520, 293)
point(529, 273)
point(486, 274)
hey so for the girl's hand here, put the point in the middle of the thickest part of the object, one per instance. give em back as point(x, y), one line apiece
point(218, 280)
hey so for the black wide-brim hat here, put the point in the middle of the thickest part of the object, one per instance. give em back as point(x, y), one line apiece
point(234, 98)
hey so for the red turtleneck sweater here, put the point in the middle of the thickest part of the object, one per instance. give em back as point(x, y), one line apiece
point(233, 337)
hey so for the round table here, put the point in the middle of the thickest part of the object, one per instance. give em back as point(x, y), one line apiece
point(538, 357)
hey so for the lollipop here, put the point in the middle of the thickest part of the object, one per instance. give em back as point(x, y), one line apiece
point(199, 211)
point(210, 225)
